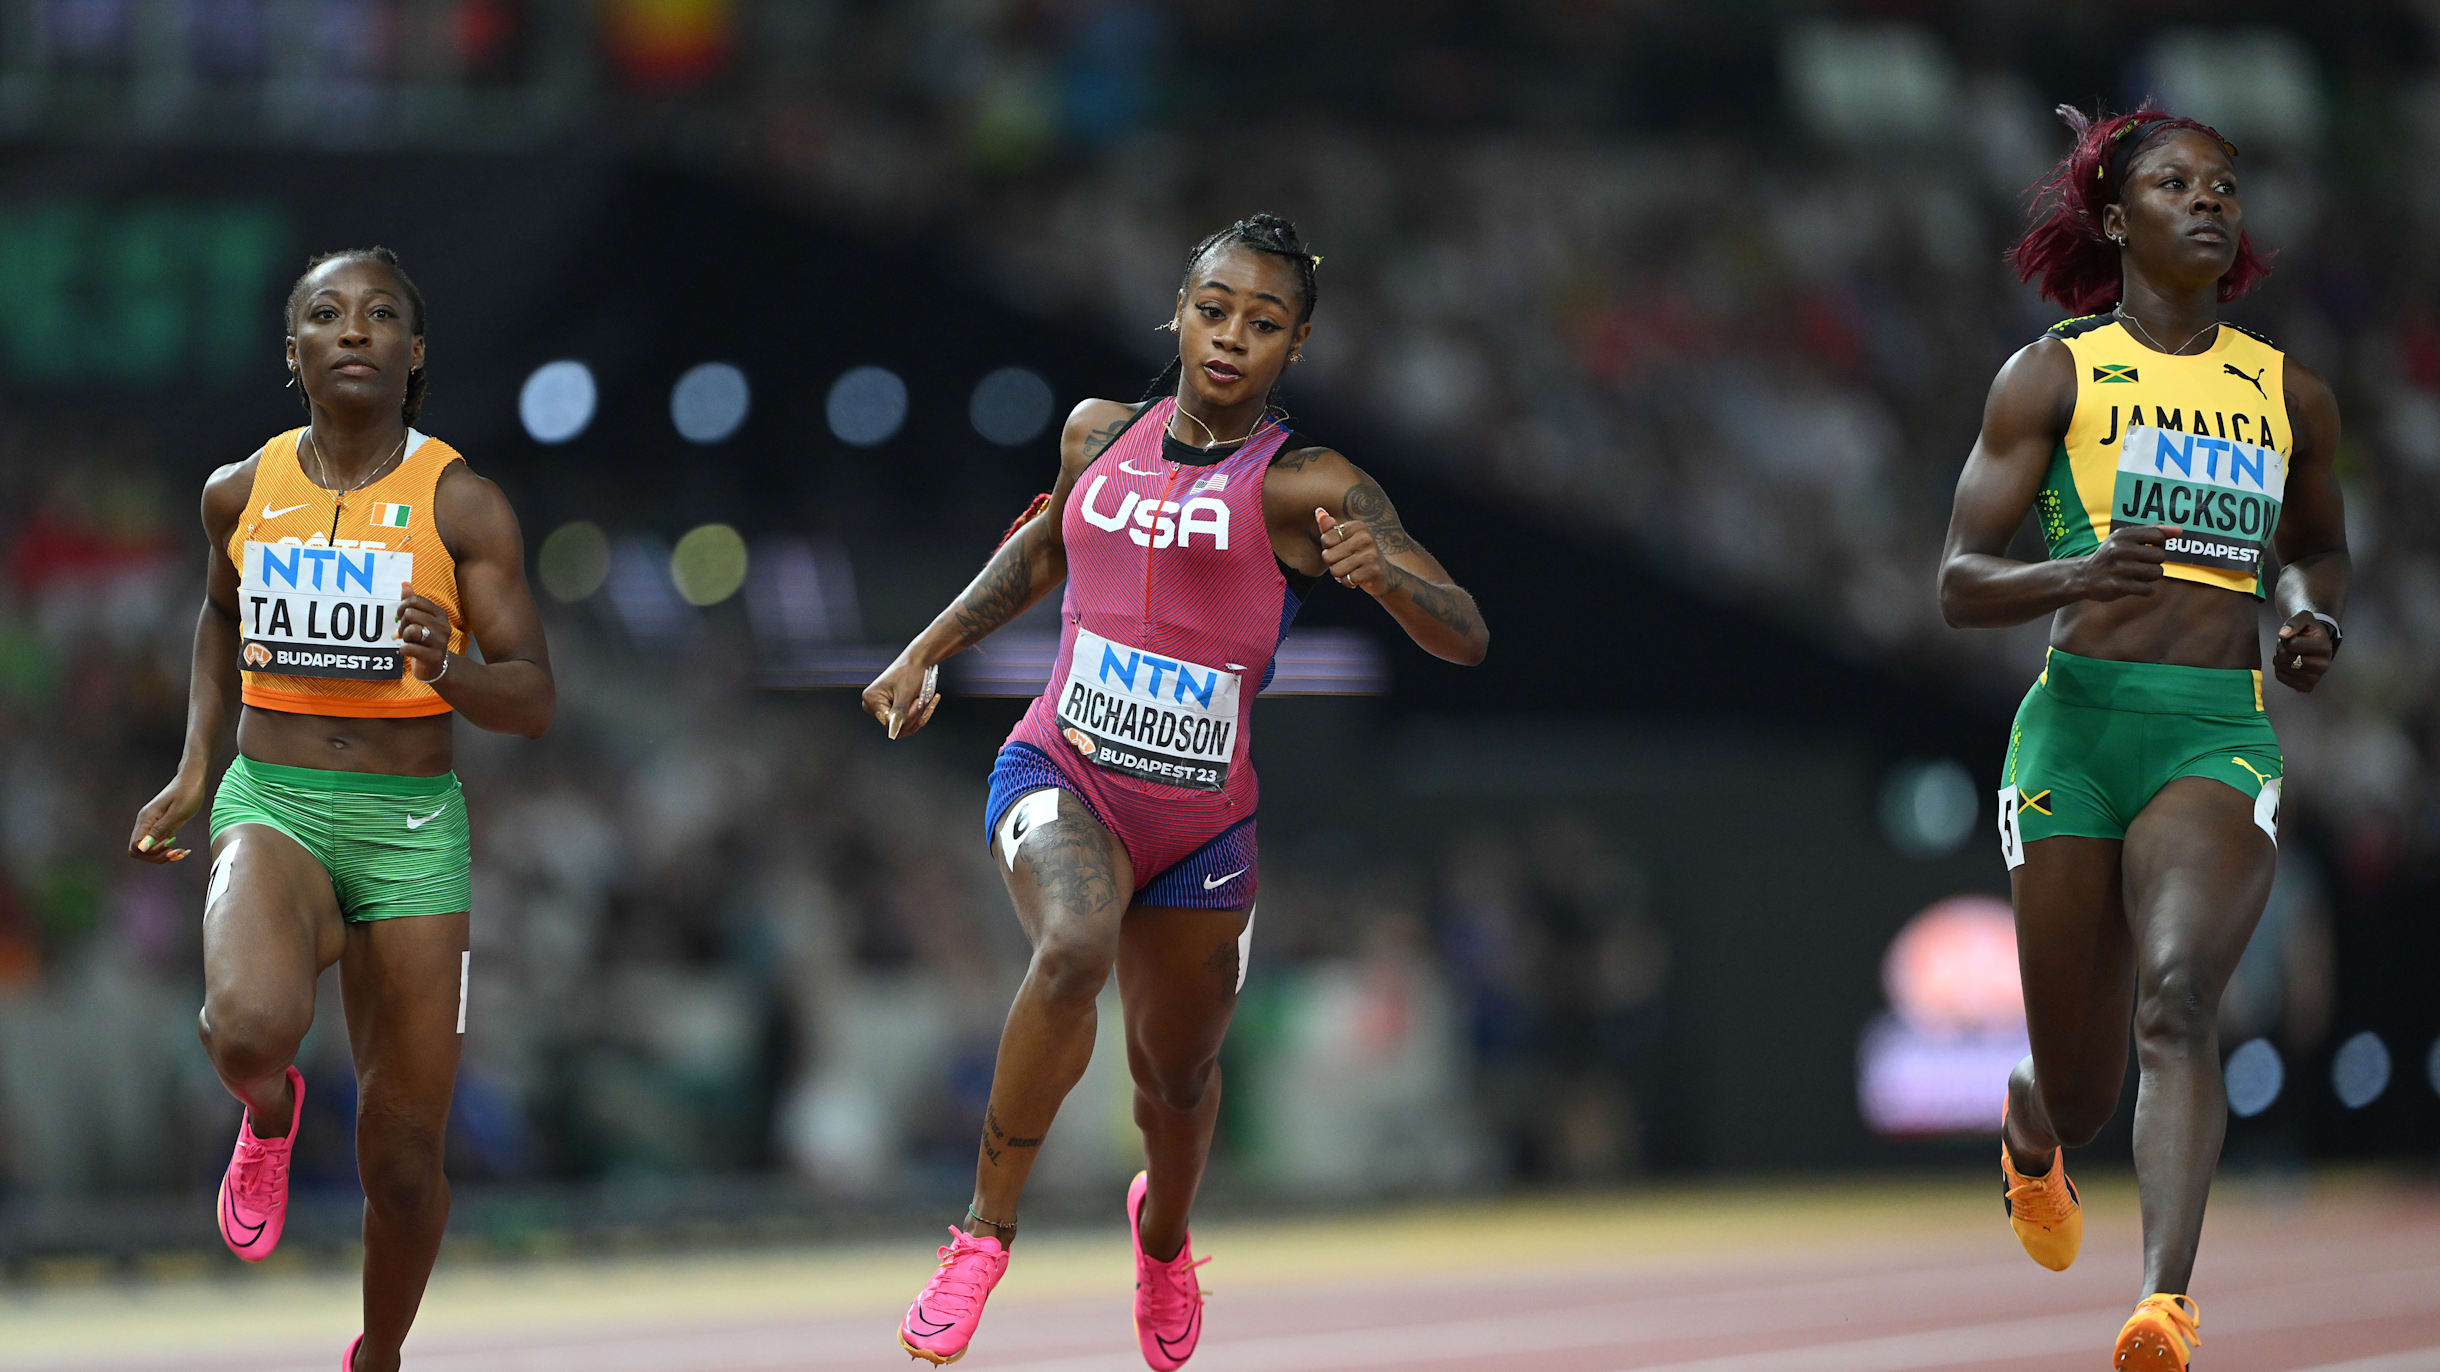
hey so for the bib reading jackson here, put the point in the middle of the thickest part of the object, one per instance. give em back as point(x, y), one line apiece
point(309, 610)
point(2223, 494)
point(1151, 717)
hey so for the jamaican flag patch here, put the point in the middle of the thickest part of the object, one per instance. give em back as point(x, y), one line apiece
point(2114, 372)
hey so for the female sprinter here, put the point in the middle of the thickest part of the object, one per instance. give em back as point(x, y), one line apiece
point(2164, 452)
point(350, 561)
point(1188, 529)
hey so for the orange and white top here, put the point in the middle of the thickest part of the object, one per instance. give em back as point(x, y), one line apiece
point(320, 576)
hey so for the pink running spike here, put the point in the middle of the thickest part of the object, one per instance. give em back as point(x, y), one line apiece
point(347, 1360)
point(253, 1201)
point(1168, 1303)
point(941, 1322)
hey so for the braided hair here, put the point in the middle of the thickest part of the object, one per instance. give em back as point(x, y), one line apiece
point(1264, 233)
point(417, 380)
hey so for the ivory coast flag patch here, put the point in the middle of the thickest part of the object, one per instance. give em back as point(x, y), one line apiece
point(390, 516)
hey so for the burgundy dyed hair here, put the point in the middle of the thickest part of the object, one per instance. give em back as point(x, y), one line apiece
point(2065, 247)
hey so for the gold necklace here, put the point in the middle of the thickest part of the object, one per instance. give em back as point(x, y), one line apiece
point(322, 465)
point(1212, 440)
point(2180, 350)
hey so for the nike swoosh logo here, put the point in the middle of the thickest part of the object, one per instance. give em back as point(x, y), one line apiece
point(918, 1314)
point(1186, 1340)
point(269, 513)
point(229, 1211)
point(1215, 883)
point(1122, 466)
point(414, 823)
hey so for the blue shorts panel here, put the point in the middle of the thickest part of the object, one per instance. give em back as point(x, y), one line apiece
point(1222, 874)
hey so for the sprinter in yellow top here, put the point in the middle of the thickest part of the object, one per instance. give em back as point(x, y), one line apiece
point(351, 560)
point(2167, 455)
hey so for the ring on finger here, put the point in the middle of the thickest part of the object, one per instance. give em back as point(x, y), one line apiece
point(2297, 662)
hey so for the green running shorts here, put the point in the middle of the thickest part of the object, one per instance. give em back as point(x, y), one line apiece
point(394, 846)
point(2095, 740)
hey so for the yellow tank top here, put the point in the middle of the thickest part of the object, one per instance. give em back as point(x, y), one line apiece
point(2200, 441)
point(319, 579)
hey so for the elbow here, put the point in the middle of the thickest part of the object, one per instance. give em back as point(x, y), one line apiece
point(546, 713)
point(1954, 611)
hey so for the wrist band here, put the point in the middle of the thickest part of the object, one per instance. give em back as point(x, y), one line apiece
point(2337, 635)
point(444, 671)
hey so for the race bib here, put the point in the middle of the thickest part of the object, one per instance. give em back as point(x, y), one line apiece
point(1148, 716)
point(324, 612)
point(2224, 494)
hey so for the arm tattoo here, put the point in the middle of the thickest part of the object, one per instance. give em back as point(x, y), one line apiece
point(1299, 459)
point(1434, 601)
point(1104, 436)
point(999, 594)
point(1365, 504)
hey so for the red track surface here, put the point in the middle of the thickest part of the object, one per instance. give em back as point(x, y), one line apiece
point(2350, 1284)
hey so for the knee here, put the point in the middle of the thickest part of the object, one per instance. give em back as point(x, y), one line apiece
point(2176, 1010)
point(250, 1039)
point(1179, 1090)
point(400, 1166)
point(1070, 969)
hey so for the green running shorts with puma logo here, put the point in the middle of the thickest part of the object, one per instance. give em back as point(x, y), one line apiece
point(2095, 740)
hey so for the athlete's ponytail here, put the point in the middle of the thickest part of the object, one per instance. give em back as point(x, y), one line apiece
point(2078, 265)
point(418, 380)
point(1266, 233)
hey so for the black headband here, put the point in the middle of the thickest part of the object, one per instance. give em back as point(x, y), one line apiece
point(2123, 144)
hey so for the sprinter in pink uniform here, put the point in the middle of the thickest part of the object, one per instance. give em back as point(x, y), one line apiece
point(1189, 529)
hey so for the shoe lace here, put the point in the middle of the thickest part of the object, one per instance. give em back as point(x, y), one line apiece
point(1170, 1288)
point(958, 1287)
point(2036, 1201)
point(260, 1171)
point(2184, 1316)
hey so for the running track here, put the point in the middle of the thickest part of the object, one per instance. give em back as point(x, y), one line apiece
point(2331, 1277)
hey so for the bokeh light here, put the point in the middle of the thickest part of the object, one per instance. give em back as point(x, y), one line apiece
point(2254, 1076)
point(2360, 1072)
point(1928, 807)
point(557, 401)
point(1011, 406)
point(709, 564)
point(1953, 967)
point(867, 405)
point(573, 560)
point(710, 402)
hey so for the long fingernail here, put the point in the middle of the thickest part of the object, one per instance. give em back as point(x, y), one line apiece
point(144, 844)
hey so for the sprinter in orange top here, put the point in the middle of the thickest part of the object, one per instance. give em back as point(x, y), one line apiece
point(351, 560)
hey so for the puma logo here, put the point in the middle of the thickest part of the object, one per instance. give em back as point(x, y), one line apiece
point(2254, 381)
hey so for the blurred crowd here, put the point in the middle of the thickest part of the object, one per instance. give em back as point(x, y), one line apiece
point(726, 933)
point(1733, 295)
point(1743, 314)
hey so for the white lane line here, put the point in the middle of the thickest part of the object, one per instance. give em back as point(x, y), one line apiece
point(2412, 1360)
